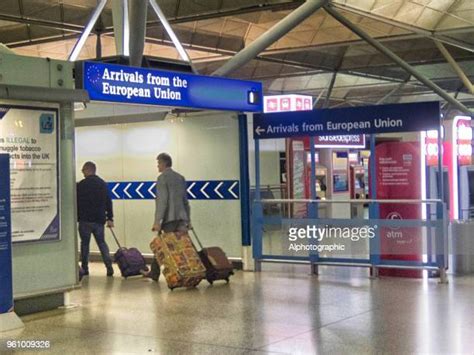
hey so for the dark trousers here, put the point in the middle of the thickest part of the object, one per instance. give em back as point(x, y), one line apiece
point(173, 226)
point(96, 229)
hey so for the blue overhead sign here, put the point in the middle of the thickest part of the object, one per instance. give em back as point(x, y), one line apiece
point(197, 190)
point(6, 287)
point(412, 117)
point(118, 83)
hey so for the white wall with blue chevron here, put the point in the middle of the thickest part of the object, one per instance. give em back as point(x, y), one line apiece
point(205, 149)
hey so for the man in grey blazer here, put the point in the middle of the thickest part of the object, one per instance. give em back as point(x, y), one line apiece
point(172, 211)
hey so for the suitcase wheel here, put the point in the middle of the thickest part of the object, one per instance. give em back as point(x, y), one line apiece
point(171, 288)
point(227, 280)
point(210, 281)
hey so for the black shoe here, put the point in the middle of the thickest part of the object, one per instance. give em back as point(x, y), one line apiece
point(82, 273)
point(155, 271)
point(150, 275)
point(110, 271)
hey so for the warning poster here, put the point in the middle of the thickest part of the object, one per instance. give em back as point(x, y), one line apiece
point(30, 136)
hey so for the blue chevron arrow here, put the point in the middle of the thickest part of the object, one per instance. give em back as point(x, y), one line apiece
point(115, 190)
point(197, 190)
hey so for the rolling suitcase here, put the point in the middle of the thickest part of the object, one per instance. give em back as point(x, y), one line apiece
point(218, 267)
point(129, 260)
point(180, 262)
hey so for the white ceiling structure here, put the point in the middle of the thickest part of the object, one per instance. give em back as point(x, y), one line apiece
point(303, 61)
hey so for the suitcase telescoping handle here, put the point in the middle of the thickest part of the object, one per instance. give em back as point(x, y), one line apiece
point(197, 238)
point(115, 237)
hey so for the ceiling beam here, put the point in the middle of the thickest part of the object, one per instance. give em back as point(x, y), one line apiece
point(171, 34)
point(289, 5)
point(421, 31)
point(273, 34)
point(307, 69)
point(87, 30)
point(44, 40)
point(408, 68)
point(42, 23)
point(449, 58)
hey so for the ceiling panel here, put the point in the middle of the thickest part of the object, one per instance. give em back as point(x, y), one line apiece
point(6, 24)
point(47, 10)
point(41, 32)
point(427, 14)
point(9, 7)
point(170, 8)
point(191, 7)
point(77, 3)
point(15, 33)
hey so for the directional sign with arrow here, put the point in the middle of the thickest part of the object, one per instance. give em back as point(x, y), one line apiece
point(259, 130)
point(197, 190)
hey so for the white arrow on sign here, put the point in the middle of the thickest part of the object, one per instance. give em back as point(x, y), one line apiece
point(203, 188)
point(259, 130)
point(216, 190)
point(232, 188)
point(190, 188)
point(126, 188)
point(150, 190)
point(138, 190)
point(114, 188)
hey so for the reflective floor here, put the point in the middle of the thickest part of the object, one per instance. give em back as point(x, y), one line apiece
point(281, 310)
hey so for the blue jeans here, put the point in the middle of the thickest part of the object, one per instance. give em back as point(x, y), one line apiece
point(85, 231)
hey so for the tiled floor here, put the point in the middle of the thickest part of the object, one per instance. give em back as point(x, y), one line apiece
point(281, 310)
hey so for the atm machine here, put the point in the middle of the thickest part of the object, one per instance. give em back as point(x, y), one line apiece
point(357, 190)
point(466, 192)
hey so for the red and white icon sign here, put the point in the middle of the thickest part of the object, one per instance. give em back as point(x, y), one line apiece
point(285, 104)
point(292, 102)
point(299, 104)
point(272, 105)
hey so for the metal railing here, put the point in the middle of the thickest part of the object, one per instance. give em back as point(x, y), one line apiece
point(273, 242)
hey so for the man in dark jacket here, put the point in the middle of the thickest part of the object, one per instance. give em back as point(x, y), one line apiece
point(94, 209)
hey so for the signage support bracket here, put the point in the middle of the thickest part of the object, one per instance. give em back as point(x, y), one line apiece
point(179, 47)
point(87, 30)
